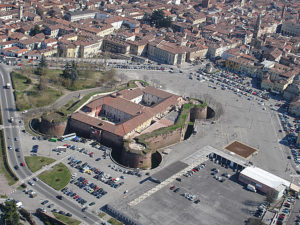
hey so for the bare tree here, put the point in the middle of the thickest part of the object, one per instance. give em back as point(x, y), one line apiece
point(27, 71)
point(43, 84)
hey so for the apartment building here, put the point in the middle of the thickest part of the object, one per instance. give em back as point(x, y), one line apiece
point(166, 52)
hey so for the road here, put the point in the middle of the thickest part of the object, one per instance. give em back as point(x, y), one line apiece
point(15, 158)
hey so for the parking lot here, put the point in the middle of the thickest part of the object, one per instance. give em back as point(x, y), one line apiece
point(91, 168)
point(199, 198)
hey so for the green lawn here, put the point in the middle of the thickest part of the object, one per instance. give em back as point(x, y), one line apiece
point(35, 163)
point(58, 177)
point(4, 166)
point(19, 81)
point(66, 219)
point(113, 221)
point(28, 95)
point(101, 215)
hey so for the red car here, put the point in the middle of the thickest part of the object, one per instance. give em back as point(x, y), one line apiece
point(22, 164)
point(77, 196)
point(66, 145)
point(172, 188)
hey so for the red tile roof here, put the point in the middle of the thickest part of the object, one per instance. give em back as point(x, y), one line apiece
point(121, 101)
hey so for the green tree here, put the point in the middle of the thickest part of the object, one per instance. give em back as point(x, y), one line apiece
point(67, 71)
point(158, 19)
point(74, 72)
point(11, 215)
point(35, 30)
point(70, 71)
point(42, 67)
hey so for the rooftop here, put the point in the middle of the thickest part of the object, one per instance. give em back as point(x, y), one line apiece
point(264, 177)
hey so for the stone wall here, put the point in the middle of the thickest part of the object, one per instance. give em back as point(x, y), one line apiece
point(136, 160)
point(79, 128)
point(55, 129)
point(198, 113)
point(110, 139)
point(164, 140)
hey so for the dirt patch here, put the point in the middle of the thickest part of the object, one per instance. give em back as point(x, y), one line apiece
point(241, 149)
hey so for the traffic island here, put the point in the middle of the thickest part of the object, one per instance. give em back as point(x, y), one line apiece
point(35, 163)
point(58, 177)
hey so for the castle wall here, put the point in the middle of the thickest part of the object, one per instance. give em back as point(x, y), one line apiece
point(198, 113)
point(80, 128)
point(52, 129)
point(110, 139)
point(136, 160)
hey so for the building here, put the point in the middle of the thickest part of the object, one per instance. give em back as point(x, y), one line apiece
point(123, 114)
point(206, 4)
point(115, 46)
point(293, 90)
point(80, 15)
point(166, 52)
point(291, 28)
point(90, 49)
point(294, 107)
point(264, 181)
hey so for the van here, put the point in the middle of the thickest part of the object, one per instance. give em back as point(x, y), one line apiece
point(250, 187)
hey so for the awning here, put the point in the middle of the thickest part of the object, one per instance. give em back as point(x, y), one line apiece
point(295, 188)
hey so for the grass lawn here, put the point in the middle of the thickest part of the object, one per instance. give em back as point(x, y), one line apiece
point(113, 221)
point(58, 177)
point(35, 163)
point(28, 95)
point(66, 219)
point(101, 215)
point(4, 167)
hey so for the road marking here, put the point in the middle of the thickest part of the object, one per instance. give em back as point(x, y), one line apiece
point(167, 181)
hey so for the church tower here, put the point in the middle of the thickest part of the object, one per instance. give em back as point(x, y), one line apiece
point(256, 32)
point(242, 3)
point(283, 13)
point(20, 10)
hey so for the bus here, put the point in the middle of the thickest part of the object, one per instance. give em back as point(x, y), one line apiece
point(68, 137)
point(53, 139)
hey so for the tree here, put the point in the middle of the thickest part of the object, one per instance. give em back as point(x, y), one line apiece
point(10, 213)
point(42, 67)
point(43, 83)
point(74, 72)
point(43, 62)
point(35, 30)
point(158, 19)
point(67, 71)
point(70, 72)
